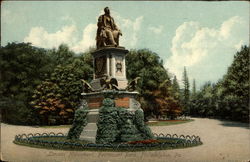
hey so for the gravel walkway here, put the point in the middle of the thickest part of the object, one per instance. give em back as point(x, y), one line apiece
point(223, 141)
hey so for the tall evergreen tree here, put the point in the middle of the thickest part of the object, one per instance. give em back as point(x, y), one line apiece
point(186, 92)
point(176, 89)
point(194, 88)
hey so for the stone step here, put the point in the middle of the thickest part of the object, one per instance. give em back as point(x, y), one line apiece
point(90, 126)
point(89, 132)
point(92, 139)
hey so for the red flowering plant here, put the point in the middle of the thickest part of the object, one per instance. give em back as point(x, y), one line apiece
point(144, 141)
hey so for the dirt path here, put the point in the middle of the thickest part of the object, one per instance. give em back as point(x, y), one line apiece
point(223, 141)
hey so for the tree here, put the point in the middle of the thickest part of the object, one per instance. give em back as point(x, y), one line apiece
point(176, 89)
point(229, 97)
point(147, 65)
point(62, 55)
point(167, 104)
point(23, 67)
point(186, 92)
point(194, 88)
point(235, 86)
point(60, 95)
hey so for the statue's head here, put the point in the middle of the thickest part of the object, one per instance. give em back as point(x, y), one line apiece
point(106, 10)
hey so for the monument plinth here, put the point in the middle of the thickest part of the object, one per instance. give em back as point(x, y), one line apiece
point(109, 62)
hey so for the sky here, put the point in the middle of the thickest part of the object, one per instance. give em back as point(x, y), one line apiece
point(202, 36)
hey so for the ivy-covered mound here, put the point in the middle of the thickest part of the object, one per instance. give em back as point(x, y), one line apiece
point(79, 122)
point(117, 125)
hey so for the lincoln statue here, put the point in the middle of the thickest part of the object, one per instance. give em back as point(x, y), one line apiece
point(107, 31)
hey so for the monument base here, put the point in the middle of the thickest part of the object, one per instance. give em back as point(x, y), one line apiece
point(89, 131)
point(122, 98)
point(109, 63)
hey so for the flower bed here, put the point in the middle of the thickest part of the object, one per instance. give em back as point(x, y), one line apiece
point(60, 141)
point(145, 141)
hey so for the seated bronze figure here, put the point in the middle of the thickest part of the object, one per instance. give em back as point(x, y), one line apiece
point(107, 31)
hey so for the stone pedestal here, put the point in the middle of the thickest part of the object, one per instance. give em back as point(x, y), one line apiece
point(89, 131)
point(110, 62)
point(122, 99)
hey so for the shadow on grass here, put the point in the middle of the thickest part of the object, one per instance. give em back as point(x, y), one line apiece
point(234, 124)
point(168, 123)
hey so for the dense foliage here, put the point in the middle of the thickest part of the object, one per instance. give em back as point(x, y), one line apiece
point(37, 81)
point(157, 93)
point(58, 96)
point(229, 98)
point(23, 67)
point(79, 122)
point(42, 86)
point(116, 124)
point(108, 122)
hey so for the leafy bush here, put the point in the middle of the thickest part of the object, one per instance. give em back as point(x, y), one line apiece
point(108, 130)
point(79, 122)
point(128, 129)
point(141, 126)
point(118, 124)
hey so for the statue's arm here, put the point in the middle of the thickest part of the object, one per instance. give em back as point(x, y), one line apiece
point(116, 27)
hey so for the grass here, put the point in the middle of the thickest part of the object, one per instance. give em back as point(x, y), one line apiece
point(169, 122)
point(56, 126)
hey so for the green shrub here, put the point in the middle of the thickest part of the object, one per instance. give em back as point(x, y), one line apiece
point(107, 123)
point(79, 122)
point(120, 125)
point(129, 131)
point(140, 125)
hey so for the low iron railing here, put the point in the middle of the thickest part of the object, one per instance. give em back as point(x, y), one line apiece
point(169, 142)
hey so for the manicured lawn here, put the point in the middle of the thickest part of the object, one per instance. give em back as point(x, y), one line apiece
point(56, 126)
point(168, 122)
